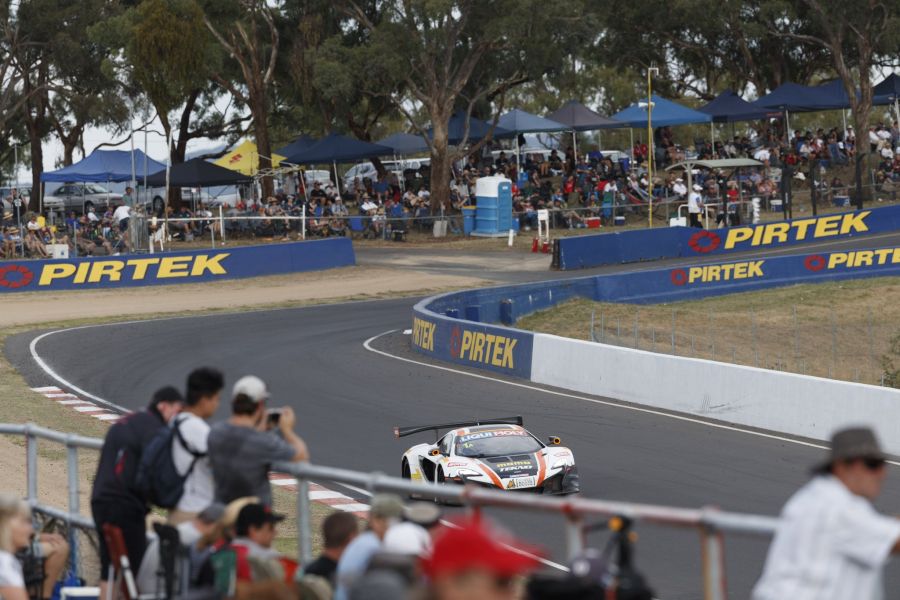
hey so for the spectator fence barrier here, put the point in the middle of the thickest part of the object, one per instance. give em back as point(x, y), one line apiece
point(709, 522)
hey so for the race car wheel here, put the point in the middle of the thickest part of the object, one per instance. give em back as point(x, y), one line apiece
point(440, 476)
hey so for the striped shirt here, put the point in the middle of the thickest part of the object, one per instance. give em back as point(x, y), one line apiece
point(831, 545)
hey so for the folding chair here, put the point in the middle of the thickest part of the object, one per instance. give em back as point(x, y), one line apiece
point(121, 577)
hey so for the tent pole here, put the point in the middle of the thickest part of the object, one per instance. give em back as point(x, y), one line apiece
point(896, 108)
point(337, 182)
point(145, 165)
point(133, 171)
point(712, 138)
point(517, 158)
point(574, 146)
point(166, 205)
point(631, 133)
point(844, 118)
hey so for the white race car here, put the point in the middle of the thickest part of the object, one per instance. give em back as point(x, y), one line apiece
point(495, 453)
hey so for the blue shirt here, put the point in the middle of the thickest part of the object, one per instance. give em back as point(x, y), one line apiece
point(354, 561)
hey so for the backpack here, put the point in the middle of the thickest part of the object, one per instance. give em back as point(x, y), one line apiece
point(157, 480)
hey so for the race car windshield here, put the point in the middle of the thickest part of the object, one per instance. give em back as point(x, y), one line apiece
point(496, 443)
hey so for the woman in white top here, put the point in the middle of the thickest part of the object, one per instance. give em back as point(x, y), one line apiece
point(15, 534)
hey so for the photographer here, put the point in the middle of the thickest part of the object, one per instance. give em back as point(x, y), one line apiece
point(242, 449)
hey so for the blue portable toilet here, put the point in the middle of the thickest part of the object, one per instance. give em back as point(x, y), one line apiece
point(493, 217)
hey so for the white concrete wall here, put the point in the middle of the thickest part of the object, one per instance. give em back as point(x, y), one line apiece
point(794, 404)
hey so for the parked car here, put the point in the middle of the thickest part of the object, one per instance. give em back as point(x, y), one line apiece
point(367, 169)
point(81, 196)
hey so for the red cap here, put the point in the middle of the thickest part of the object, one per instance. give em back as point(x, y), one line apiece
point(468, 544)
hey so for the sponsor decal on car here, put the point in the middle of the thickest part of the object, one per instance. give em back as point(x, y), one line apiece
point(479, 435)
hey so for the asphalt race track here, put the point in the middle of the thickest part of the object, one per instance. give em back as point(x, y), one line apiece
point(348, 398)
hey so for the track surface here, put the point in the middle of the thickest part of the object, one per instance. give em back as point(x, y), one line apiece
point(348, 398)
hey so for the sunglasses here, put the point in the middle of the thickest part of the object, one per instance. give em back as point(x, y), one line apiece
point(873, 464)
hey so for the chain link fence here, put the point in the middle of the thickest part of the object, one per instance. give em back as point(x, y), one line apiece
point(840, 343)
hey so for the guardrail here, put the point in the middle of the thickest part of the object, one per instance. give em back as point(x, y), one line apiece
point(711, 523)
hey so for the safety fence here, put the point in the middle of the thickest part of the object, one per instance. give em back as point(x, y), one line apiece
point(575, 512)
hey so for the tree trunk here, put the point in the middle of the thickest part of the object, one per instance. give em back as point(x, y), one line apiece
point(263, 145)
point(441, 163)
point(37, 166)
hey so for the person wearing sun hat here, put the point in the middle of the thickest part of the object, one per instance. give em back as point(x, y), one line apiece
point(470, 560)
point(832, 544)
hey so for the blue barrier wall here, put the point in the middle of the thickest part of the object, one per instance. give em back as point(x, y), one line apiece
point(674, 242)
point(174, 267)
point(451, 326)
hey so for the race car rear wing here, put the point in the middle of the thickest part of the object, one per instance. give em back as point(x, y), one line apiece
point(413, 429)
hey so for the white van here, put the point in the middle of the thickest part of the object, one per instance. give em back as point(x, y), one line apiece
point(367, 169)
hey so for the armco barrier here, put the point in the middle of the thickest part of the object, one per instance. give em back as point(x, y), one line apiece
point(174, 267)
point(674, 242)
point(460, 327)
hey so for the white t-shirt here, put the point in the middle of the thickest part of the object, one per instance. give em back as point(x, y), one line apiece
point(198, 487)
point(122, 213)
point(10, 571)
point(831, 545)
point(694, 202)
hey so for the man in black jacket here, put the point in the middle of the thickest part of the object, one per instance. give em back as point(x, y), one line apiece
point(113, 498)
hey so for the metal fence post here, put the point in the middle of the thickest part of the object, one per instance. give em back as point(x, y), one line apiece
point(222, 224)
point(304, 534)
point(714, 585)
point(796, 335)
point(303, 222)
point(74, 502)
point(31, 464)
point(574, 536)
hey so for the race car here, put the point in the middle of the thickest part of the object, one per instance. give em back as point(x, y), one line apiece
point(495, 453)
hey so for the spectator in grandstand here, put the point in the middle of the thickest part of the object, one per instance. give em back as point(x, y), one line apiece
point(113, 497)
point(189, 451)
point(695, 206)
point(832, 543)
point(338, 530)
point(194, 535)
point(470, 561)
point(384, 511)
point(15, 535)
point(242, 449)
point(33, 242)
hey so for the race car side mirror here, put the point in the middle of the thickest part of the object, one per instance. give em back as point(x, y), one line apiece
point(554, 441)
point(434, 452)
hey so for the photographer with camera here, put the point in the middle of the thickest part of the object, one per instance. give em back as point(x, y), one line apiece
point(242, 449)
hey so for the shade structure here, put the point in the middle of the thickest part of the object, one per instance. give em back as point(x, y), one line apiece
point(103, 165)
point(197, 173)
point(337, 148)
point(297, 146)
point(245, 159)
point(518, 121)
point(888, 90)
point(791, 97)
point(728, 107)
point(665, 113)
point(578, 117)
point(405, 143)
point(831, 95)
point(478, 130)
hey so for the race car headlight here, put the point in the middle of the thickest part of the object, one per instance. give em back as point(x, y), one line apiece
point(468, 473)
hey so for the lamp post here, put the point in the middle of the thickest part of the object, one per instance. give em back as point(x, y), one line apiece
point(650, 72)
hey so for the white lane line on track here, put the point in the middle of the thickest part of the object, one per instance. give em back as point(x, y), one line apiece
point(368, 346)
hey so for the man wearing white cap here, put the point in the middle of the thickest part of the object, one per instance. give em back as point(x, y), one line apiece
point(242, 449)
point(695, 205)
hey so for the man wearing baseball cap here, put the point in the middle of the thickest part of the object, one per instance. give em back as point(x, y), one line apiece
point(470, 561)
point(242, 449)
point(832, 544)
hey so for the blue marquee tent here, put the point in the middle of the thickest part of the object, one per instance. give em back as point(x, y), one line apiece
point(478, 129)
point(300, 144)
point(791, 97)
point(578, 117)
point(665, 113)
point(888, 91)
point(518, 121)
point(831, 95)
point(104, 165)
point(728, 107)
point(337, 148)
point(405, 143)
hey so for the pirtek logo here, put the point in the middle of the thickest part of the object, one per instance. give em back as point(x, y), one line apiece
point(853, 260)
point(486, 348)
point(100, 271)
point(423, 334)
point(707, 274)
point(799, 230)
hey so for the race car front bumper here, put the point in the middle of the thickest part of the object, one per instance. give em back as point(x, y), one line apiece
point(562, 483)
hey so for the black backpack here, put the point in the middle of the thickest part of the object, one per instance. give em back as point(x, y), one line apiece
point(157, 480)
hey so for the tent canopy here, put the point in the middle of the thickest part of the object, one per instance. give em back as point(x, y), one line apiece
point(831, 95)
point(245, 159)
point(297, 146)
point(197, 173)
point(888, 90)
point(728, 107)
point(790, 97)
point(665, 113)
point(405, 143)
point(722, 163)
point(104, 165)
point(338, 148)
point(478, 130)
point(518, 121)
point(578, 117)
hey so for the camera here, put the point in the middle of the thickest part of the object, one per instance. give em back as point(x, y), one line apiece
point(273, 417)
